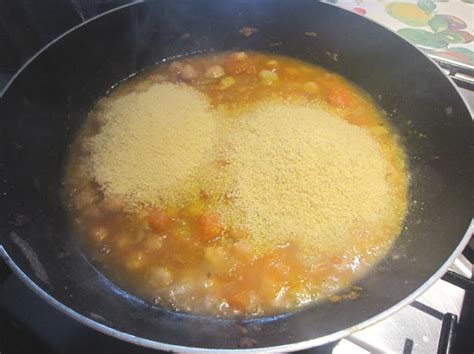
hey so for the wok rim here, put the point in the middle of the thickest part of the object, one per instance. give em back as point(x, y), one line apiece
point(315, 342)
point(104, 329)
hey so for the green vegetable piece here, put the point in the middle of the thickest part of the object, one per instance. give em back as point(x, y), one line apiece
point(423, 38)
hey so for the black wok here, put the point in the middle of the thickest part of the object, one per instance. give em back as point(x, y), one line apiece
point(45, 103)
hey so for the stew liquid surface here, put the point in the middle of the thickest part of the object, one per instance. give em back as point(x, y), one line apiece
point(200, 253)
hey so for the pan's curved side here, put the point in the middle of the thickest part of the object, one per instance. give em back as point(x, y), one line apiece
point(281, 348)
point(45, 103)
point(60, 37)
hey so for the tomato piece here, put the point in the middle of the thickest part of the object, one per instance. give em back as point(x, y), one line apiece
point(158, 220)
point(340, 97)
point(208, 227)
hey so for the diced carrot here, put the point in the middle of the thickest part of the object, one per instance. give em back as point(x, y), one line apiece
point(208, 227)
point(158, 220)
point(340, 97)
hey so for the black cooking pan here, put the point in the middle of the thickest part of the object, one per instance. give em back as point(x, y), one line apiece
point(46, 102)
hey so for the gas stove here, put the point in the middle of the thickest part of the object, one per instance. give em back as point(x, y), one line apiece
point(441, 320)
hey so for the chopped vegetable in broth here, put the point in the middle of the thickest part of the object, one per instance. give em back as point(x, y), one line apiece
point(236, 184)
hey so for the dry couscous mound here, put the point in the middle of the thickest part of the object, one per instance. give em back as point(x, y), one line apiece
point(295, 172)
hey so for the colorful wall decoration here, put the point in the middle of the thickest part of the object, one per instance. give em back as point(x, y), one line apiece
point(444, 28)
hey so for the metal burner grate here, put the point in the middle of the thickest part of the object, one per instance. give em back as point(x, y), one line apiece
point(428, 325)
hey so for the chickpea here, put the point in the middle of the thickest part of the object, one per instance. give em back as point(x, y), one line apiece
point(159, 277)
point(267, 77)
point(240, 56)
point(272, 63)
point(175, 68)
point(152, 242)
point(214, 72)
point(227, 82)
point(183, 71)
point(188, 73)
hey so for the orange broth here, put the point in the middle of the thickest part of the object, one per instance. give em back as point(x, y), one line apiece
point(183, 258)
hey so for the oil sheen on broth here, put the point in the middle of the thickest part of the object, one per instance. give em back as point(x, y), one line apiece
point(236, 184)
